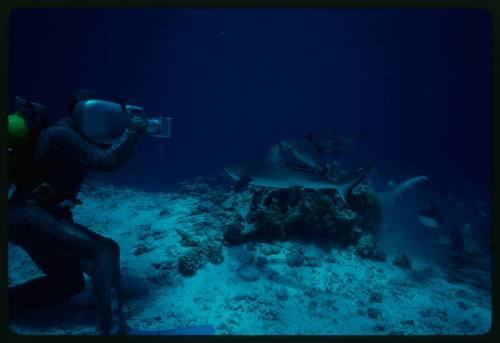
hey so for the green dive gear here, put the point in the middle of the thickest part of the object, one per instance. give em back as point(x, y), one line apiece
point(18, 141)
point(18, 126)
point(22, 129)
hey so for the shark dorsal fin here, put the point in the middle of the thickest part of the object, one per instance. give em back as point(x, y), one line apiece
point(274, 154)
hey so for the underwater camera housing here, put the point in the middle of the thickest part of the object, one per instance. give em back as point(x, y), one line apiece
point(103, 122)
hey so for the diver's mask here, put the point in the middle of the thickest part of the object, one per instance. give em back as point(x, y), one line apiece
point(103, 122)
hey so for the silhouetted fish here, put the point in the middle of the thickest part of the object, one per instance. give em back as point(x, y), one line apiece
point(431, 217)
point(336, 141)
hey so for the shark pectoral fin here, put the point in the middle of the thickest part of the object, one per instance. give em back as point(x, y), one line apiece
point(242, 182)
point(343, 193)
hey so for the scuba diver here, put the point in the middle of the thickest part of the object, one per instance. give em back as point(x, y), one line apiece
point(40, 219)
point(47, 165)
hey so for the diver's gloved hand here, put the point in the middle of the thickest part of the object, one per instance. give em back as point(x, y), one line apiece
point(63, 209)
point(138, 126)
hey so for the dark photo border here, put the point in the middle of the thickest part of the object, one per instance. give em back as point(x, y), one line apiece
point(490, 6)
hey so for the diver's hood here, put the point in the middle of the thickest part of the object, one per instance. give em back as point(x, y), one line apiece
point(103, 122)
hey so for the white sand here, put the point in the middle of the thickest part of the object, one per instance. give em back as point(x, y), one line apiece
point(328, 299)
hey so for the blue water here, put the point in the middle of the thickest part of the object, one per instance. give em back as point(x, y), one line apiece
point(421, 80)
point(236, 82)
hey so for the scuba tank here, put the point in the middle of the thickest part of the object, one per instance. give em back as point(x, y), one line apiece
point(17, 144)
point(18, 139)
point(103, 122)
point(24, 127)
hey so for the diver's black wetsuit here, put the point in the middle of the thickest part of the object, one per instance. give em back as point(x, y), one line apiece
point(61, 248)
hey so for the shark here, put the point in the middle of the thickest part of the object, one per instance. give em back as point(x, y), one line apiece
point(266, 173)
point(431, 218)
point(298, 154)
point(396, 190)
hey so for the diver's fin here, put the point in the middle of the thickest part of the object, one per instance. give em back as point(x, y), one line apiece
point(185, 331)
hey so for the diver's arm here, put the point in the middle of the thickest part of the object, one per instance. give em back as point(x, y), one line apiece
point(76, 147)
point(115, 156)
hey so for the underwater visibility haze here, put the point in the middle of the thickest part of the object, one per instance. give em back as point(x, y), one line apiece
point(329, 171)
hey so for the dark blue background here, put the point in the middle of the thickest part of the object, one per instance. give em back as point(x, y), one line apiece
point(420, 79)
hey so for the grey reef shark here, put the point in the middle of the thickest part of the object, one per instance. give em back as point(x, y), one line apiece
point(269, 173)
point(394, 191)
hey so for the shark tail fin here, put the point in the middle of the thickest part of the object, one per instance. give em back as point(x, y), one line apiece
point(353, 180)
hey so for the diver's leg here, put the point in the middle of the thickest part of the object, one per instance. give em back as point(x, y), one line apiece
point(63, 276)
point(104, 270)
point(63, 280)
point(65, 238)
point(100, 259)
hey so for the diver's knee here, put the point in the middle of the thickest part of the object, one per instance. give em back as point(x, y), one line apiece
point(114, 247)
point(110, 247)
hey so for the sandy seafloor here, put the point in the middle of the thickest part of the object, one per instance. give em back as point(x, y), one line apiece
point(338, 294)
